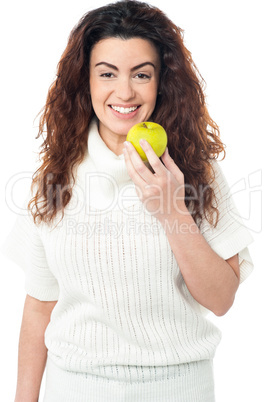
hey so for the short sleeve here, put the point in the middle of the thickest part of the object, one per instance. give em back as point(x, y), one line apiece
point(24, 247)
point(230, 236)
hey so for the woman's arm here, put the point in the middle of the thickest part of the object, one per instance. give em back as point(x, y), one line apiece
point(32, 350)
point(211, 280)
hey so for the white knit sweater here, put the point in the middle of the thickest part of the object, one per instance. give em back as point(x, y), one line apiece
point(123, 308)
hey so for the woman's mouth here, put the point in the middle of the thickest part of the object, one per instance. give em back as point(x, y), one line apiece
point(124, 110)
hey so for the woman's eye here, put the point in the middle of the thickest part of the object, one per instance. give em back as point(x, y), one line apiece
point(143, 76)
point(106, 75)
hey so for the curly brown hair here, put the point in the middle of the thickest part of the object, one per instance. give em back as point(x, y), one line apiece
point(193, 137)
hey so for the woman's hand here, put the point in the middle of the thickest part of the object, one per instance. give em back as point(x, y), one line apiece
point(162, 192)
point(212, 281)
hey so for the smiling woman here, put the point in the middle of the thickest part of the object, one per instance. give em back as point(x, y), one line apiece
point(124, 80)
point(124, 259)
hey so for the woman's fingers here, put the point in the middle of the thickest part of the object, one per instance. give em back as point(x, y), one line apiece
point(153, 159)
point(156, 190)
point(171, 166)
point(138, 180)
point(136, 166)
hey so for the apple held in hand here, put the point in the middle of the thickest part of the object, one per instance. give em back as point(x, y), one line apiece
point(151, 132)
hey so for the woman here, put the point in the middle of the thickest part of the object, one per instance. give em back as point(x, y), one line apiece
point(126, 257)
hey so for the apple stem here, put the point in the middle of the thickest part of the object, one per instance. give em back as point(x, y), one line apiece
point(144, 125)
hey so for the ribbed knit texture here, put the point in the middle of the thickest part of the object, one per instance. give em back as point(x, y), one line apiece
point(124, 311)
point(190, 383)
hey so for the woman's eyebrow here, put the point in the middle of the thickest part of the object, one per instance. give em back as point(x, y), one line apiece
point(132, 69)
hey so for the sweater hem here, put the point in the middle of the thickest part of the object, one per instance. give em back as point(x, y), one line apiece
point(192, 382)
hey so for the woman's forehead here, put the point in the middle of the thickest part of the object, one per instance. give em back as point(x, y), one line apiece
point(118, 49)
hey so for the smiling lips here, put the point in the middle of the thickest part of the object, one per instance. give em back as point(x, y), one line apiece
point(124, 110)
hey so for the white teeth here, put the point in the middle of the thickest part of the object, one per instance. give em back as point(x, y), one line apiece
point(124, 110)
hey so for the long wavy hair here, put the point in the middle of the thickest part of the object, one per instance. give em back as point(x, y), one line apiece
point(193, 137)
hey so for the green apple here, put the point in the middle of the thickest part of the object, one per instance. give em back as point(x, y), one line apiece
point(151, 132)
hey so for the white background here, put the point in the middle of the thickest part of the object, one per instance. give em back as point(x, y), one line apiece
point(228, 43)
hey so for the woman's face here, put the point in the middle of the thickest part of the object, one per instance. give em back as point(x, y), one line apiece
point(124, 77)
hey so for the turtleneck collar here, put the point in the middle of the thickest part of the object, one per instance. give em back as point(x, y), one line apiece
point(103, 175)
point(105, 160)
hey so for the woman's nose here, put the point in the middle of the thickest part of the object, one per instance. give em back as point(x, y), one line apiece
point(124, 90)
